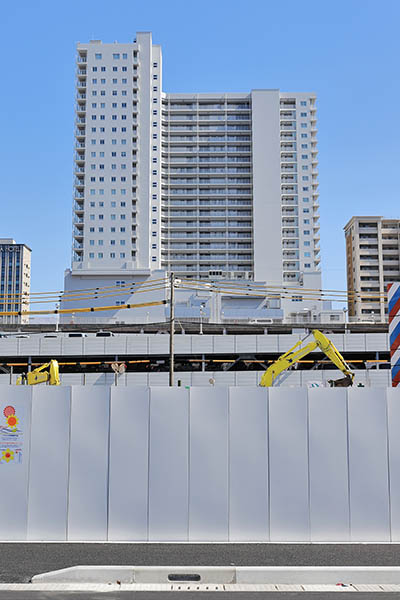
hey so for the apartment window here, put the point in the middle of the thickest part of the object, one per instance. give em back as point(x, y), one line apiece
point(154, 138)
point(101, 229)
point(307, 243)
point(304, 167)
point(306, 221)
point(113, 154)
point(122, 229)
point(91, 254)
point(93, 179)
point(154, 246)
point(306, 232)
point(305, 189)
point(154, 209)
point(123, 117)
point(154, 100)
point(102, 93)
point(103, 69)
point(101, 179)
point(305, 178)
point(114, 105)
point(112, 242)
point(306, 199)
point(155, 89)
point(113, 217)
point(94, 105)
point(122, 254)
point(113, 167)
point(114, 92)
point(123, 178)
point(94, 69)
point(123, 129)
point(112, 254)
point(112, 229)
point(91, 229)
point(124, 68)
point(154, 172)
point(303, 114)
point(94, 80)
point(154, 148)
point(154, 258)
point(306, 210)
point(154, 112)
point(307, 265)
point(154, 184)
point(114, 129)
point(101, 167)
point(304, 156)
point(123, 166)
point(114, 117)
point(123, 142)
point(99, 255)
point(124, 81)
point(123, 92)
point(115, 68)
point(122, 242)
point(93, 117)
point(113, 204)
point(307, 254)
point(154, 196)
point(154, 160)
point(113, 192)
point(98, 56)
point(154, 221)
point(303, 125)
point(94, 93)
point(155, 76)
point(91, 217)
point(100, 242)
point(154, 234)
point(113, 142)
point(101, 204)
point(124, 56)
point(304, 146)
point(154, 123)
point(115, 80)
point(92, 192)
point(91, 242)
point(303, 103)
point(122, 217)
point(155, 65)
point(116, 56)
point(101, 217)
point(102, 80)
point(304, 135)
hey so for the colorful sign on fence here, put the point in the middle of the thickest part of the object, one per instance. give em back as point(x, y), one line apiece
point(394, 330)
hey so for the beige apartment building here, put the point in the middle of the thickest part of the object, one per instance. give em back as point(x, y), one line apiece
point(372, 257)
point(15, 280)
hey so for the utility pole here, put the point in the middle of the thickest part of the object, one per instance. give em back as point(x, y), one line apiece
point(171, 329)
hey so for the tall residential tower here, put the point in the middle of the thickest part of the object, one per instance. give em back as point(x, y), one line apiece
point(205, 185)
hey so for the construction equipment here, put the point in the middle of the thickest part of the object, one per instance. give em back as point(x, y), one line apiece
point(45, 373)
point(293, 356)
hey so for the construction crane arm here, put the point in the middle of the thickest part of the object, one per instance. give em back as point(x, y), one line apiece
point(293, 356)
point(47, 372)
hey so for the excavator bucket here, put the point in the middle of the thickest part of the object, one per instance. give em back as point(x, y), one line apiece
point(342, 382)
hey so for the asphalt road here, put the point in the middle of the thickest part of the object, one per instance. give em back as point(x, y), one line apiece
point(20, 561)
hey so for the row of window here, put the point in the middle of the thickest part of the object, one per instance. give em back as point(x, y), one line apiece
point(103, 69)
point(113, 117)
point(112, 229)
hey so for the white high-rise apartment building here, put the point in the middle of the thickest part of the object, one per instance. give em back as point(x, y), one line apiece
point(204, 185)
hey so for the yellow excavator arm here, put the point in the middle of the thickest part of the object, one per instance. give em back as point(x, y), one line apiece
point(47, 372)
point(293, 356)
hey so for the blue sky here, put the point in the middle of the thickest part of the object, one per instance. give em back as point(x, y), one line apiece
point(345, 51)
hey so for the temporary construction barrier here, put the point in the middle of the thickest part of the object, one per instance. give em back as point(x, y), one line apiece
point(199, 464)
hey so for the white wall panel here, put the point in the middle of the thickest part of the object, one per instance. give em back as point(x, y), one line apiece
point(202, 344)
point(248, 465)
point(8, 346)
point(168, 477)
point(49, 463)
point(354, 341)
point(285, 342)
point(377, 342)
point(50, 346)
point(93, 345)
point(246, 343)
point(14, 473)
point(136, 379)
point(288, 452)
point(202, 378)
point(159, 378)
point(29, 345)
point(72, 346)
point(267, 343)
point(224, 343)
point(368, 464)
point(159, 343)
point(183, 344)
point(393, 404)
point(128, 482)
point(247, 378)
point(115, 345)
point(88, 483)
point(71, 378)
point(329, 497)
point(4, 379)
point(338, 340)
point(224, 377)
point(208, 516)
point(137, 344)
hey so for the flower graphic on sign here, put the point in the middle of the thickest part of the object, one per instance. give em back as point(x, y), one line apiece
point(9, 410)
point(12, 421)
point(7, 455)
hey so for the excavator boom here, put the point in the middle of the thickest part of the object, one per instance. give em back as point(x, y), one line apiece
point(296, 353)
point(47, 372)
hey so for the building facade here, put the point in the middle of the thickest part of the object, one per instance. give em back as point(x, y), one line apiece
point(373, 261)
point(15, 280)
point(209, 186)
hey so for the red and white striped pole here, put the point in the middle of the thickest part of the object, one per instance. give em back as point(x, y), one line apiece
point(394, 330)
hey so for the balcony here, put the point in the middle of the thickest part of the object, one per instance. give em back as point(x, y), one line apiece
point(81, 59)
